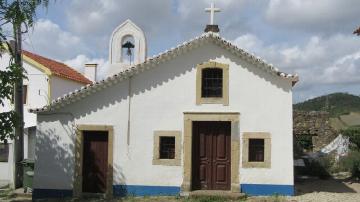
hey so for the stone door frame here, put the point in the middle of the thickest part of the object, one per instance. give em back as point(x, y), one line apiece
point(79, 157)
point(232, 117)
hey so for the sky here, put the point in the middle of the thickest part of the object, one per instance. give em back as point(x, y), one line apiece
point(311, 38)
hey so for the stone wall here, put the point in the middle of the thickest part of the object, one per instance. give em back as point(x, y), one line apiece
point(315, 124)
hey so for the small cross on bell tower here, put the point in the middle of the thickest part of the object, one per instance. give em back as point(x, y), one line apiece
point(212, 27)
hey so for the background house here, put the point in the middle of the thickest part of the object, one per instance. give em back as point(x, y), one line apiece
point(46, 80)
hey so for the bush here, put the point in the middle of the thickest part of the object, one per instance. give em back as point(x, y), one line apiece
point(354, 136)
point(320, 167)
point(351, 163)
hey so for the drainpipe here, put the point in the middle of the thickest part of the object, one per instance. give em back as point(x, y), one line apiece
point(129, 114)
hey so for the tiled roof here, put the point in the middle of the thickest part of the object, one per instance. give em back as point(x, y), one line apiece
point(158, 59)
point(57, 68)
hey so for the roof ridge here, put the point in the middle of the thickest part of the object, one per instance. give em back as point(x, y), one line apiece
point(157, 59)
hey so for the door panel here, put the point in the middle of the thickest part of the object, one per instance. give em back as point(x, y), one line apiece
point(95, 153)
point(211, 155)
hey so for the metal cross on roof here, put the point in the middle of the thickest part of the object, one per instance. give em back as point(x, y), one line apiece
point(212, 11)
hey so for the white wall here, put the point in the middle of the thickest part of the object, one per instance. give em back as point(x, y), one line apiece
point(36, 81)
point(37, 96)
point(158, 99)
point(61, 86)
point(6, 168)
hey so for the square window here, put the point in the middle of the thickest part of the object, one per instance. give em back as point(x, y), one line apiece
point(167, 148)
point(4, 152)
point(256, 150)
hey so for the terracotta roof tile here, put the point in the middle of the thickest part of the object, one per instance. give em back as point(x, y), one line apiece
point(58, 68)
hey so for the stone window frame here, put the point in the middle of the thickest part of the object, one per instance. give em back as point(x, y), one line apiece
point(156, 152)
point(225, 91)
point(267, 149)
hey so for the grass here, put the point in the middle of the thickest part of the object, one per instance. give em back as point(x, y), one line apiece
point(6, 194)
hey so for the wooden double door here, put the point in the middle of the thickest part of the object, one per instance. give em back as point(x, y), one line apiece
point(95, 161)
point(211, 155)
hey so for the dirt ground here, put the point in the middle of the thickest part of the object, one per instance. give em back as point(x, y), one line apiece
point(342, 190)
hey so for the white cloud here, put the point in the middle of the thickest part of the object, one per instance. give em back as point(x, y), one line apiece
point(48, 38)
point(331, 60)
point(312, 38)
point(80, 60)
point(311, 15)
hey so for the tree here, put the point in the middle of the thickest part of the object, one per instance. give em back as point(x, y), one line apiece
point(21, 15)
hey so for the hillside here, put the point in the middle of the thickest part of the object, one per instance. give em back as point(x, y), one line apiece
point(336, 104)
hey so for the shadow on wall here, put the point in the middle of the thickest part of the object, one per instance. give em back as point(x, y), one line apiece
point(55, 173)
point(166, 72)
point(56, 168)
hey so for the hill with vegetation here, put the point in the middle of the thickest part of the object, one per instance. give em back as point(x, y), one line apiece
point(343, 109)
point(336, 104)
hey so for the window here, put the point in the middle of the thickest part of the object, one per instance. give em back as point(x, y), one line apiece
point(25, 89)
point(167, 148)
point(212, 83)
point(256, 150)
point(4, 152)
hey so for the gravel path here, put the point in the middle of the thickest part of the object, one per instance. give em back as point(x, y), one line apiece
point(331, 190)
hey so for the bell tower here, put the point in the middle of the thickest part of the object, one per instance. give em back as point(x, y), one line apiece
point(127, 47)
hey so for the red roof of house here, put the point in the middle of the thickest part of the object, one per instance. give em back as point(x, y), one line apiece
point(57, 68)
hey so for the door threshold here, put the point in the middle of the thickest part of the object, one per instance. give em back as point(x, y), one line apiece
point(220, 193)
point(93, 195)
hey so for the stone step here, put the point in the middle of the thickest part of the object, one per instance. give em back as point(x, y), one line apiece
point(217, 193)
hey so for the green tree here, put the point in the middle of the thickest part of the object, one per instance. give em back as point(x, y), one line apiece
point(18, 15)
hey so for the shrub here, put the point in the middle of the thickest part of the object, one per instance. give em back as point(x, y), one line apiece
point(354, 136)
point(320, 167)
point(351, 163)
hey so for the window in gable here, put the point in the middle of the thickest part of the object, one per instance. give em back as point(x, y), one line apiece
point(212, 82)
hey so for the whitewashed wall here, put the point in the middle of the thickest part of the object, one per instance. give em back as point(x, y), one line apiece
point(36, 81)
point(158, 99)
point(37, 96)
point(61, 86)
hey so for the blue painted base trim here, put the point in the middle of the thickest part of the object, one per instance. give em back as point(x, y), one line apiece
point(267, 189)
point(139, 190)
point(51, 193)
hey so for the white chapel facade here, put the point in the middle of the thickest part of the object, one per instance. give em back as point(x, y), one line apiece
point(205, 115)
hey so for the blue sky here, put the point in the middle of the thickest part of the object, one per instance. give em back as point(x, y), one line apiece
point(311, 38)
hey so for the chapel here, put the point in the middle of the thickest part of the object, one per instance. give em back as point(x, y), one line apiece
point(205, 115)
